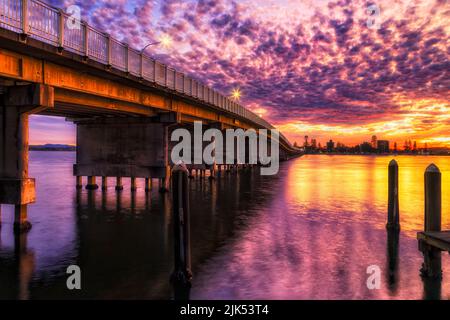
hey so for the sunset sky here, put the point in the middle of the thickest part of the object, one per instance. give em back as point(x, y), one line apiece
point(320, 68)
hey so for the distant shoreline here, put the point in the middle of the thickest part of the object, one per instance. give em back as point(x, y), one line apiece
point(65, 148)
point(378, 155)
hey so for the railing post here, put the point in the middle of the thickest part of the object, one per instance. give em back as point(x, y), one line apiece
point(393, 204)
point(182, 80)
point(24, 17)
point(108, 50)
point(61, 29)
point(166, 76)
point(141, 67)
point(182, 276)
point(86, 40)
point(127, 58)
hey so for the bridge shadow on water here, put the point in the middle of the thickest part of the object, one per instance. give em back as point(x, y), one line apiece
point(123, 241)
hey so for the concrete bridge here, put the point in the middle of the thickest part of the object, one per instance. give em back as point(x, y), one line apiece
point(124, 103)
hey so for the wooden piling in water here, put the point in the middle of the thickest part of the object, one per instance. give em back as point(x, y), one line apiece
point(393, 203)
point(432, 265)
point(182, 275)
point(433, 201)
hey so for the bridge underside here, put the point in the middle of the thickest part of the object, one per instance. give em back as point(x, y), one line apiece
point(123, 122)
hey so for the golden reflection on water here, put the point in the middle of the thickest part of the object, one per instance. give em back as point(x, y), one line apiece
point(356, 188)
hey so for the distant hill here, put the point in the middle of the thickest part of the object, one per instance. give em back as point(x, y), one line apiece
point(53, 147)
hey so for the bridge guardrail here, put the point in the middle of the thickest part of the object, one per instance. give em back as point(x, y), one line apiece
point(52, 25)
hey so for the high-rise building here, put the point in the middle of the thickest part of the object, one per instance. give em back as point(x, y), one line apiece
point(383, 146)
point(374, 142)
point(330, 146)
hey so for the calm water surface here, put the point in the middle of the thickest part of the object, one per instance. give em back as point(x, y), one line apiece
point(309, 233)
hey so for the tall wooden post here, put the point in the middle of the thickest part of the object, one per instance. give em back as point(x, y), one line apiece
point(433, 199)
point(432, 265)
point(182, 276)
point(393, 204)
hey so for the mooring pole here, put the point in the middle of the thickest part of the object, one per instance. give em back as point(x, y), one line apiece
point(433, 200)
point(393, 206)
point(182, 276)
point(432, 266)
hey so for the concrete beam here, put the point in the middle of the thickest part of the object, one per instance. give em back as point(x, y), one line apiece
point(122, 147)
point(32, 98)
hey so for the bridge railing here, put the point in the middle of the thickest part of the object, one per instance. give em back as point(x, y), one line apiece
point(51, 25)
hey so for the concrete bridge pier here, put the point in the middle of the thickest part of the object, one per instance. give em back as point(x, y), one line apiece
point(124, 148)
point(16, 187)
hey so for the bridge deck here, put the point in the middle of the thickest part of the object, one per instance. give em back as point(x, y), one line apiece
point(440, 240)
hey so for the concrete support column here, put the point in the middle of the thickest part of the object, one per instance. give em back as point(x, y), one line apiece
point(92, 184)
point(165, 182)
point(104, 183)
point(213, 172)
point(119, 184)
point(16, 188)
point(124, 148)
point(79, 183)
point(148, 184)
point(133, 184)
point(21, 222)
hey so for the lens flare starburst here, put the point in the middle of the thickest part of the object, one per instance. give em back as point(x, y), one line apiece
point(236, 94)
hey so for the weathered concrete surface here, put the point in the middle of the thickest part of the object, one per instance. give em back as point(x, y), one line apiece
point(17, 104)
point(122, 147)
point(17, 191)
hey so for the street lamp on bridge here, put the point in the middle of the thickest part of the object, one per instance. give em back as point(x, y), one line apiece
point(165, 41)
point(236, 94)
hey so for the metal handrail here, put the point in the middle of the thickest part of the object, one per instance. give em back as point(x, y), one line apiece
point(49, 24)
